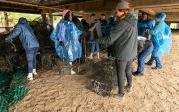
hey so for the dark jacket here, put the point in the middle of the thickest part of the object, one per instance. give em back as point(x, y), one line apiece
point(123, 39)
point(25, 34)
point(144, 27)
point(95, 31)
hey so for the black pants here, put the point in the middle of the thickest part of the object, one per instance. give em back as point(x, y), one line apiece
point(109, 51)
point(123, 69)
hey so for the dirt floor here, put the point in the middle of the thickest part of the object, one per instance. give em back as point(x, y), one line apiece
point(157, 91)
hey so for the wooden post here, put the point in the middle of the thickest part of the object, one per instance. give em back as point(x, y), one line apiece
point(50, 18)
point(6, 21)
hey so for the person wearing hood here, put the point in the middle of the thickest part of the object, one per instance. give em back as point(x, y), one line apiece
point(66, 38)
point(123, 38)
point(29, 43)
point(161, 39)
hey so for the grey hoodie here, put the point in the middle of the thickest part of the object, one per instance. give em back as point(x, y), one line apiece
point(123, 39)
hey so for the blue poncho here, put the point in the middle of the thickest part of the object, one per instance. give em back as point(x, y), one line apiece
point(161, 37)
point(69, 34)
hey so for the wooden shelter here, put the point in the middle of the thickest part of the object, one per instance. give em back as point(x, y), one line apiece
point(171, 7)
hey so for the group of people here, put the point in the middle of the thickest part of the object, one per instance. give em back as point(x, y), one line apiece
point(119, 35)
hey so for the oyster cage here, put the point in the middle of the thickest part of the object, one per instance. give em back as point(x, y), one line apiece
point(104, 78)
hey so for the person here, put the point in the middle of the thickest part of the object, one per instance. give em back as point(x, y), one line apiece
point(85, 25)
point(161, 39)
point(144, 25)
point(104, 25)
point(77, 22)
point(144, 52)
point(123, 39)
point(95, 33)
point(85, 28)
point(29, 43)
point(111, 24)
point(66, 38)
point(145, 46)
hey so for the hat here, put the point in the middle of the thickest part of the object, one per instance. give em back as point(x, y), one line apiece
point(123, 5)
point(65, 12)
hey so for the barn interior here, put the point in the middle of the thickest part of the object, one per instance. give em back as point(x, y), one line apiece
point(157, 91)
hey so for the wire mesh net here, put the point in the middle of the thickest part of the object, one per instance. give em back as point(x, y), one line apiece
point(13, 89)
point(104, 78)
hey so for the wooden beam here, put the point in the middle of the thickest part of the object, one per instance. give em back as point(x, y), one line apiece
point(27, 4)
point(153, 3)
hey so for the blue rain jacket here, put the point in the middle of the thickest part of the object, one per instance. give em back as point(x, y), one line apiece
point(161, 37)
point(67, 33)
point(25, 34)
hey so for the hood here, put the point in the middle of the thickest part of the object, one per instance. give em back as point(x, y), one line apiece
point(22, 20)
point(131, 19)
point(161, 17)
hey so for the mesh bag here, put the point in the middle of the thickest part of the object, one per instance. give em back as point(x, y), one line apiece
point(105, 77)
point(14, 89)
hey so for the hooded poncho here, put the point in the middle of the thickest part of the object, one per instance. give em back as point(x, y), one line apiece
point(161, 36)
point(69, 34)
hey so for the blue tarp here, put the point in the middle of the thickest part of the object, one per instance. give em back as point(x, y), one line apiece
point(67, 33)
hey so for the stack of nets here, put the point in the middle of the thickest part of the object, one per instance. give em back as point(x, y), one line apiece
point(104, 77)
point(13, 89)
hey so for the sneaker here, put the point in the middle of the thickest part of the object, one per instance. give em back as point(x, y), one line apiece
point(30, 77)
point(90, 57)
point(119, 96)
point(128, 88)
point(157, 68)
point(34, 72)
point(149, 64)
point(73, 72)
point(137, 73)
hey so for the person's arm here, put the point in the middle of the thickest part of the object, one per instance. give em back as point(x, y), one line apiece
point(98, 29)
point(115, 34)
point(145, 25)
point(14, 33)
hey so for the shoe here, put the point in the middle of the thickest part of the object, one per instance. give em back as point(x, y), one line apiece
point(34, 72)
point(98, 55)
point(157, 68)
point(149, 64)
point(30, 77)
point(137, 73)
point(73, 72)
point(91, 56)
point(119, 96)
point(128, 88)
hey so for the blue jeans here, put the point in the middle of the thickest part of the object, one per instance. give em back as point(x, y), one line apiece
point(155, 58)
point(94, 47)
point(141, 58)
point(31, 54)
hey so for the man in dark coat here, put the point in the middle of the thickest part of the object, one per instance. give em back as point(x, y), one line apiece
point(123, 39)
point(29, 43)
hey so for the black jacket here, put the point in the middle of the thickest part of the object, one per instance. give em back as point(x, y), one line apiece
point(123, 39)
